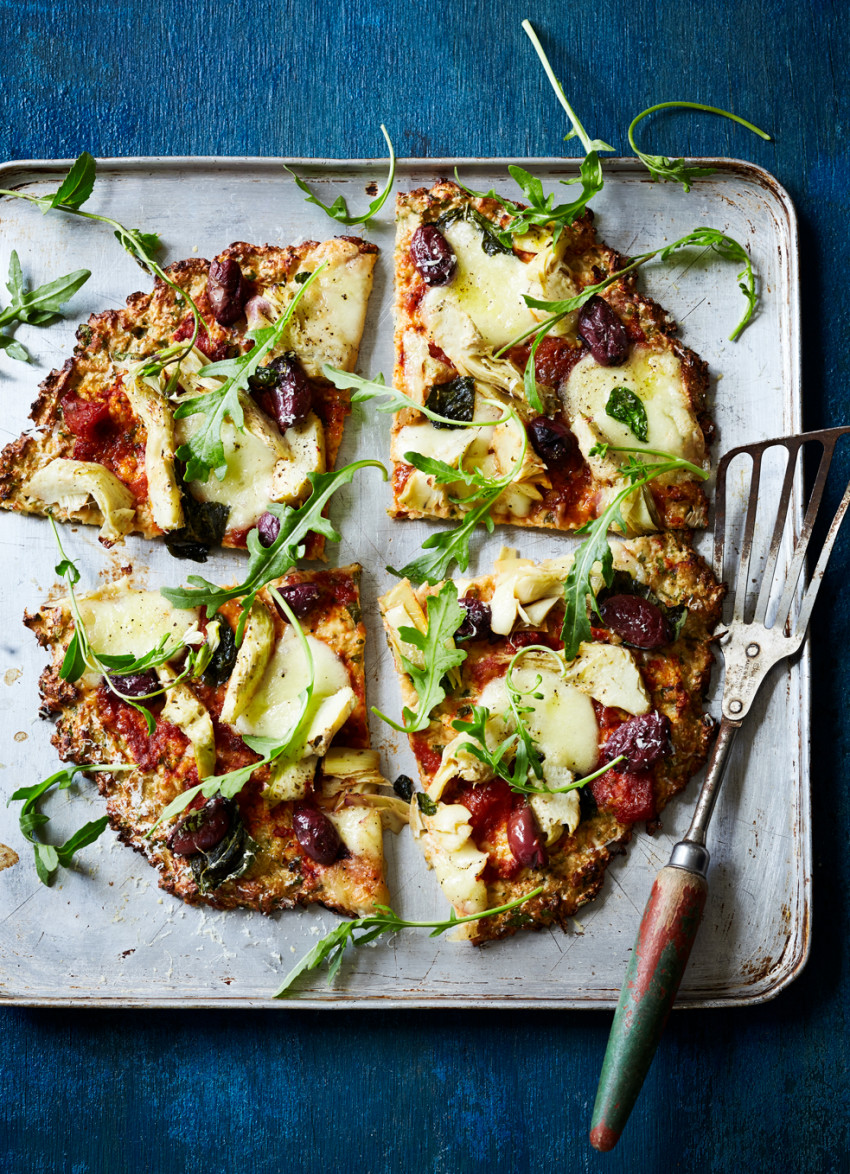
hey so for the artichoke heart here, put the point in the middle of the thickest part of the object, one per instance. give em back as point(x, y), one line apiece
point(70, 484)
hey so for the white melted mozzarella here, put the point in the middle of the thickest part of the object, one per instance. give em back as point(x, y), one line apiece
point(123, 622)
point(656, 378)
point(246, 488)
point(275, 705)
point(488, 289)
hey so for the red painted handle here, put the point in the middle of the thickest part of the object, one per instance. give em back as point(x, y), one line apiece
point(670, 923)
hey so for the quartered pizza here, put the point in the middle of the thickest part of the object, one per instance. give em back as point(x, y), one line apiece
point(610, 374)
point(111, 447)
point(303, 827)
point(516, 726)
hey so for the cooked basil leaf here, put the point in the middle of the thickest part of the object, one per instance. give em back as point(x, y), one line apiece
point(454, 401)
point(627, 408)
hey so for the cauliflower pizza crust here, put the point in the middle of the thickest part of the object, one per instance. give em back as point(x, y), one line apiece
point(458, 302)
point(245, 852)
point(647, 701)
point(112, 429)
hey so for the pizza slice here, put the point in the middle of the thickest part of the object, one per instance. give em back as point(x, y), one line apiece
point(112, 446)
point(513, 745)
point(610, 375)
point(268, 831)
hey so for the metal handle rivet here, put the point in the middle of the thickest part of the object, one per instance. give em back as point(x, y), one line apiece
point(753, 650)
point(735, 707)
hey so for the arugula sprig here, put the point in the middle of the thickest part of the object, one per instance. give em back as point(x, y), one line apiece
point(49, 857)
point(448, 546)
point(707, 238)
point(363, 930)
point(270, 562)
point(290, 745)
point(439, 655)
point(676, 170)
point(596, 548)
point(338, 210)
point(542, 210)
point(73, 192)
point(80, 656)
point(387, 399)
point(35, 307)
point(516, 759)
point(203, 451)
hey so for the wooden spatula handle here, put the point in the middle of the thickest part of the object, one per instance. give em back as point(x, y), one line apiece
point(670, 923)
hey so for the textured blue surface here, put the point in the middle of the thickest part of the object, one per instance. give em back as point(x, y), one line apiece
point(759, 1089)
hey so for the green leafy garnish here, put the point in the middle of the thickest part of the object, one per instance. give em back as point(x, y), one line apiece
point(387, 399)
point(72, 193)
point(49, 857)
point(596, 549)
point(204, 450)
point(80, 656)
point(448, 546)
point(676, 170)
point(708, 238)
point(516, 759)
point(362, 930)
point(270, 562)
point(338, 210)
point(542, 209)
point(35, 307)
point(439, 656)
point(290, 745)
point(627, 408)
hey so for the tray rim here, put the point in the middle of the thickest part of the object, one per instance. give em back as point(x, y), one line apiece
point(788, 968)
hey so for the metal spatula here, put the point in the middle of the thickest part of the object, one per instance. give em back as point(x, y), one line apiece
point(750, 649)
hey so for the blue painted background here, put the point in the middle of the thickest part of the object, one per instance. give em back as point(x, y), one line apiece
point(760, 1089)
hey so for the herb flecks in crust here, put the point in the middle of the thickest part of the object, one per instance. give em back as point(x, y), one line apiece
point(493, 837)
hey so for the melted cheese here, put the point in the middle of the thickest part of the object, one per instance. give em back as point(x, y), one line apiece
point(488, 289)
point(328, 321)
point(449, 849)
point(275, 706)
point(246, 488)
point(562, 722)
point(360, 829)
point(656, 378)
point(123, 622)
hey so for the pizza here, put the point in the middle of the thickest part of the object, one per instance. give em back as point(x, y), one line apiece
point(493, 831)
point(106, 438)
point(609, 374)
point(305, 827)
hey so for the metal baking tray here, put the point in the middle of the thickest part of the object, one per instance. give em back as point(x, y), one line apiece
point(104, 934)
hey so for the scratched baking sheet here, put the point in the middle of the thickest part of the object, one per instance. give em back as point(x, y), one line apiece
point(104, 934)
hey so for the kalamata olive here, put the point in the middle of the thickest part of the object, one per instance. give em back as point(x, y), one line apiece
point(640, 622)
point(202, 829)
point(316, 834)
point(476, 624)
point(268, 528)
point(603, 332)
point(135, 684)
point(551, 439)
point(524, 838)
point(285, 394)
point(227, 291)
point(301, 596)
point(403, 787)
point(642, 739)
point(432, 255)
